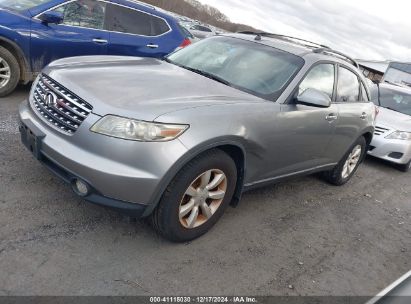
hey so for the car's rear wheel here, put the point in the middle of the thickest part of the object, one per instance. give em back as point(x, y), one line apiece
point(406, 167)
point(348, 165)
point(196, 198)
point(9, 72)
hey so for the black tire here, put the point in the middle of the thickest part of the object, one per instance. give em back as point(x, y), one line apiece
point(406, 167)
point(14, 72)
point(335, 176)
point(165, 218)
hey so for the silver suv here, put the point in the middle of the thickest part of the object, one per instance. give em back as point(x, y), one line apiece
point(180, 139)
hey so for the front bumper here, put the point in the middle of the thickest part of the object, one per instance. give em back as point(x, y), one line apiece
point(124, 175)
point(393, 150)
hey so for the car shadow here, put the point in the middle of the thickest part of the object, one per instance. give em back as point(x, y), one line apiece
point(378, 163)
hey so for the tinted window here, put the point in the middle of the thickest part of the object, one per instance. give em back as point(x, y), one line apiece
point(84, 13)
point(321, 78)
point(396, 100)
point(348, 89)
point(125, 20)
point(159, 26)
point(255, 68)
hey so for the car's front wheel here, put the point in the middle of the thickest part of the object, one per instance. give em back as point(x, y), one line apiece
point(348, 165)
point(9, 72)
point(197, 197)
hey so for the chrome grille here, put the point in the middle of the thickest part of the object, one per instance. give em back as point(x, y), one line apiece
point(380, 130)
point(58, 106)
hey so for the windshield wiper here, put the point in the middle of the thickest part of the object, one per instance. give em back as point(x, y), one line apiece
point(200, 72)
point(208, 75)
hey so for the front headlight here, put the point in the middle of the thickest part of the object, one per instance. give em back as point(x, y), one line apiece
point(131, 129)
point(400, 135)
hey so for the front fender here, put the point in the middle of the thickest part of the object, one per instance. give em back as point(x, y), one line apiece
point(193, 152)
point(15, 36)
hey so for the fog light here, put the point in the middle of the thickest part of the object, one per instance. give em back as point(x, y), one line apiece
point(81, 188)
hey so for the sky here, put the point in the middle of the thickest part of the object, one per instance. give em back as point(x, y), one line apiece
point(363, 29)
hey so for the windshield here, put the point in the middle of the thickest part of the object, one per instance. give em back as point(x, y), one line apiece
point(251, 67)
point(20, 5)
point(397, 76)
point(397, 101)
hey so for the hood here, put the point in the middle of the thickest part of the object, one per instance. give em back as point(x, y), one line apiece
point(14, 21)
point(394, 120)
point(140, 88)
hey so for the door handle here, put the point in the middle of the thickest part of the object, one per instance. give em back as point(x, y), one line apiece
point(331, 117)
point(152, 46)
point(363, 115)
point(100, 41)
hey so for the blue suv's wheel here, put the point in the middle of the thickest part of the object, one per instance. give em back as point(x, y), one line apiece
point(9, 72)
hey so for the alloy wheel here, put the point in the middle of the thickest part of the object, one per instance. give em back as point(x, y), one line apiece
point(352, 161)
point(202, 198)
point(5, 73)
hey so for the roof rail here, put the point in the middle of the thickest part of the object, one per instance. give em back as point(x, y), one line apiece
point(339, 54)
point(144, 4)
point(318, 48)
point(296, 40)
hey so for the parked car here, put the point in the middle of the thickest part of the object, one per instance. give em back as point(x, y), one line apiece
point(180, 139)
point(189, 38)
point(392, 137)
point(35, 32)
point(201, 31)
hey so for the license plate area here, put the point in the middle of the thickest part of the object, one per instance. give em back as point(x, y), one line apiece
point(31, 140)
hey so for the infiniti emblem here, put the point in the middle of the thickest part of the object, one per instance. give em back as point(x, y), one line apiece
point(51, 99)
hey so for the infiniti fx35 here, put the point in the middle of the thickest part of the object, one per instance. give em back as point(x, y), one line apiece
point(180, 139)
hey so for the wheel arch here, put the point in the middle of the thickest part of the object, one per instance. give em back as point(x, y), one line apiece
point(233, 148)
point(12, 47)
point(368, 137)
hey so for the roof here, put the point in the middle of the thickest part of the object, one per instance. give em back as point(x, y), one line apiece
point(378, 66)
point(293, 45)
point(284, 45)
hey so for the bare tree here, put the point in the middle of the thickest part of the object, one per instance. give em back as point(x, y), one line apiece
point(205, 13)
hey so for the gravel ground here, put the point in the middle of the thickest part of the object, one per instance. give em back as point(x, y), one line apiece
point(302, 237)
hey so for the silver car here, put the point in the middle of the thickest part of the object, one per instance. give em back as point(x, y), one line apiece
point(392, 137)
point(180, 139)
point(201, 31)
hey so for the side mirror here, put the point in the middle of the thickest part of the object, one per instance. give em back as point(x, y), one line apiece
point(51, 17)
point(315, 98)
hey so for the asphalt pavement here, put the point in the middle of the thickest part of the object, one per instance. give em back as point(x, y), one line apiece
point(302, 237)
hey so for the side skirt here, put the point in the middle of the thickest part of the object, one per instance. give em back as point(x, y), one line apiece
point(281, 178)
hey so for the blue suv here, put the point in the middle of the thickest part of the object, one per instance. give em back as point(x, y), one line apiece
point(35, 32)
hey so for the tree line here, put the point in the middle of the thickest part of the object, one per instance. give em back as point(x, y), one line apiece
point(205, 13)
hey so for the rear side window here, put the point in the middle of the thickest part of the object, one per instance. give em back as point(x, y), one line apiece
point(83, 13)
point(321, 78)
point(348, 88)
point(130, 21)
